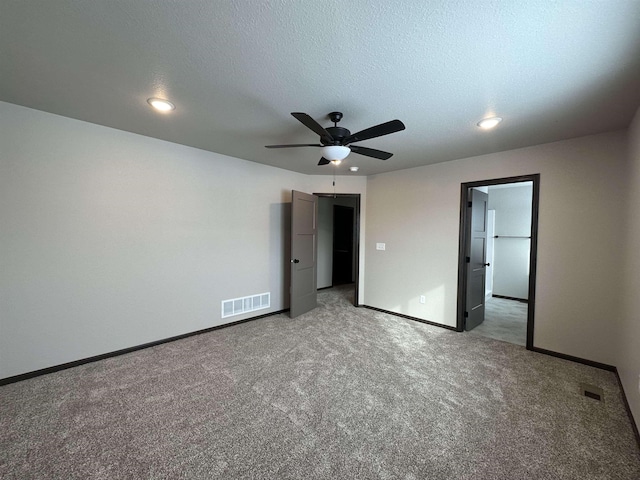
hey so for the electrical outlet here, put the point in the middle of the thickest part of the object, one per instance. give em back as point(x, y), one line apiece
point(423, 299)
point(380, 246)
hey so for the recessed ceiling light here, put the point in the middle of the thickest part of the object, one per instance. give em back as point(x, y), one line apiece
point(354, 169)
point(488, 123)
point(161, 105)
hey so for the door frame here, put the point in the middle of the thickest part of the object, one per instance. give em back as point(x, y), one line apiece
point(533, 252)
point(356, 246)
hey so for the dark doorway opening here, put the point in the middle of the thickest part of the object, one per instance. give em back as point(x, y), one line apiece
point(342, 252)
point(343, 245)
point(466, 268)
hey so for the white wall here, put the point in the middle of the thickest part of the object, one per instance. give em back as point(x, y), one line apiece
point(512, 206)
point(628, 358)
point(111, 240)
point(491, 231)
point(416, 213)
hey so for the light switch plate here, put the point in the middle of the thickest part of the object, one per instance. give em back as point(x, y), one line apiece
point(380, 246)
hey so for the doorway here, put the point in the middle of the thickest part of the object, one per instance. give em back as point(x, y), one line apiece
point(339, 241)
point(478, 293)
point(343, 245)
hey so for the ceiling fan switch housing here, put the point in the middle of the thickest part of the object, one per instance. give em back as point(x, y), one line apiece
point(335, 116)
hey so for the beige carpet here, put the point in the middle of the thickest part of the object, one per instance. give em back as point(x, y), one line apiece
point(341, 392)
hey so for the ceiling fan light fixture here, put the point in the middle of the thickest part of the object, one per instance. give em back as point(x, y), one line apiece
point(335, 153)
point(489, 123)
point(161, 105)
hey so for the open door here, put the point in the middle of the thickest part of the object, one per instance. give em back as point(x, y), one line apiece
point(472, 271)
point(304, 253)
point(476, 259)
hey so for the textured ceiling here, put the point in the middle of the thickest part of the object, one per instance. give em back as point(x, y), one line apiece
point(236, 69)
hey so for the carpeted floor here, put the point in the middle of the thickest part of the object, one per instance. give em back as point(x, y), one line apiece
point(504, 320)
point(341, 392)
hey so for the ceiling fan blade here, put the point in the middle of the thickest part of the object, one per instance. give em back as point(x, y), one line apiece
point(324, 161)
point(310, 123)
point(377, 131)
point(370, 152)
point(291, 146)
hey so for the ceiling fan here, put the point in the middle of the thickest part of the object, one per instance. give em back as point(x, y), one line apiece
point(334, 140)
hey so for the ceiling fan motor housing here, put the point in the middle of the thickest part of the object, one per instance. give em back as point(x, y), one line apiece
point(338, 134)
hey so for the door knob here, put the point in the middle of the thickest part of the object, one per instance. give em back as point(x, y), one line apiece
point(295, 260)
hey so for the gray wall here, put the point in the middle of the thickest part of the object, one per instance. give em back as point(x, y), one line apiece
point(512, 206)
point(416, 213)
point(325, 241)
point(111, 240)
point(628, 346)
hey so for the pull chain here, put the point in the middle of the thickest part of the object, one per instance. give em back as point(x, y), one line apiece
point(334, 181)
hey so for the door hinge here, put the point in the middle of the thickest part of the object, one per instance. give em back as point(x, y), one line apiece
point(466, 314)
point(468, 259)
point(469, 204)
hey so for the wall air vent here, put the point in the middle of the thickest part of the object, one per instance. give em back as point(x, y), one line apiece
point(236, 306)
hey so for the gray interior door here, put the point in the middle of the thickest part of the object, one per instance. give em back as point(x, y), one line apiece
point(476, 259)
point(304, 253)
